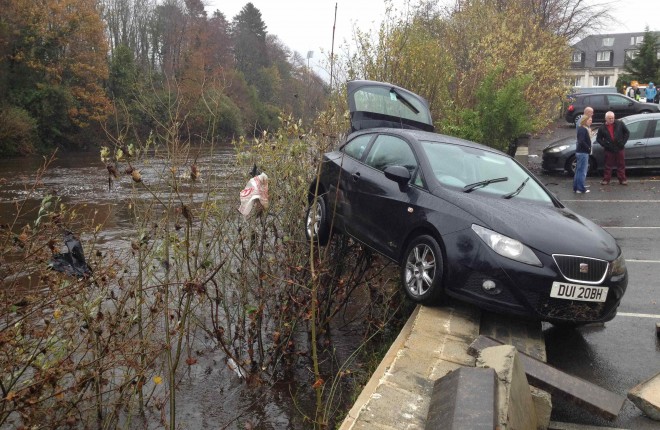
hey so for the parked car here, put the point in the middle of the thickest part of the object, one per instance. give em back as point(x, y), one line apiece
point(621, 105)
point(642, 149)
point(460, 219)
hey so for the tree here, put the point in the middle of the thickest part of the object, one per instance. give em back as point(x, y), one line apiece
point(249, 34)
point(646, 65)
point(58, 64)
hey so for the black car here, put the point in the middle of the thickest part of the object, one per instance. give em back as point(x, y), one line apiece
point(621, 105)
point(642, 149)
point(460, 219)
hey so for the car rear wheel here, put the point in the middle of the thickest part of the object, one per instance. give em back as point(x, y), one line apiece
point(422, 270)
point(317, 226)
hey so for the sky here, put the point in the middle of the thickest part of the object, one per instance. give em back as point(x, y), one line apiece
point(307, 25)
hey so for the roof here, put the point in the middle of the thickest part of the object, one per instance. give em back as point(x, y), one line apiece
point(594, 43)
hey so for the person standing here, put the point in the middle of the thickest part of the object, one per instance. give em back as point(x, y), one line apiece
point(588, 112)
point(582, 151)
point(651, 92)
point(613, 136)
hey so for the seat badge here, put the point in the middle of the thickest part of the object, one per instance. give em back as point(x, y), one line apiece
point(584, 268)
point(410, 210)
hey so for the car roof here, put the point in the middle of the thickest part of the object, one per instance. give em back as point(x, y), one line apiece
point(427, 136)
point(640, 116)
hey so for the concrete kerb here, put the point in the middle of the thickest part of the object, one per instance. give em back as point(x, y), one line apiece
point(443, 333)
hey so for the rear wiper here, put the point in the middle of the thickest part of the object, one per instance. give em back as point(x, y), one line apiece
point(404, 101)
point(471, 187)
point(518, 190)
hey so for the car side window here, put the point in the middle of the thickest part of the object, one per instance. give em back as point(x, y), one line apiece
point(594, 100)
point(356, 147)
point(637, 129)
point(391, 151)
point(656, 133)
point(617, 101)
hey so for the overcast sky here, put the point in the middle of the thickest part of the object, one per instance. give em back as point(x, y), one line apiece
point(306, 25)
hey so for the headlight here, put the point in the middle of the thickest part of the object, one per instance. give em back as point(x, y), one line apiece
point(618, 266)
point(507, 247)
point(558, 148)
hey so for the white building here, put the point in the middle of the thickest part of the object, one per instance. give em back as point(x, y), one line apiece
point(598, 60)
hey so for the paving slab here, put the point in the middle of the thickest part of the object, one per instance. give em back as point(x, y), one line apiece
point(514, 400)
point(525, 335)
point(646, 396)
point(464, 399)
point(588, 396)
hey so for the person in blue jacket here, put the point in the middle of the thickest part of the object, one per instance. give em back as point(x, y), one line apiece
point(582, 151)
point(651, 91)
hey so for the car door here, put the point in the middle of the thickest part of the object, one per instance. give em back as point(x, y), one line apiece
point(620, 105)
point(380, 206)
point(636, 145)
point(653, 145)
point(599, 104)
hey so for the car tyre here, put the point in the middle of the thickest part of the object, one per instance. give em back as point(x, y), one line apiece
point(571, 165)
point(317, 225)
point(422, 270)
point(577, 119)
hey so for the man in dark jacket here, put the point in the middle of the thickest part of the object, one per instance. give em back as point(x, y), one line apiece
point(612, 136)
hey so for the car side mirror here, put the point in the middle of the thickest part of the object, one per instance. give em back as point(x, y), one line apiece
point(398, 174)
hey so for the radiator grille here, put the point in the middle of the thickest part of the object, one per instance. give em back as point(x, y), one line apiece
point(581, 269)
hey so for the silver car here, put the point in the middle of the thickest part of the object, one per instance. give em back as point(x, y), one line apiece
point(642, 149)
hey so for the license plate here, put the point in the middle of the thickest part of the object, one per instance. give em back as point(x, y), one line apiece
point(585, 293)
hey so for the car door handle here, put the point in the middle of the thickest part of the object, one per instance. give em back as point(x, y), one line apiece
point(356, 176)
point(638, 144)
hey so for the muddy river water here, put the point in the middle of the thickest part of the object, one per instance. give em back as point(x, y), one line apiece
point(211, 394)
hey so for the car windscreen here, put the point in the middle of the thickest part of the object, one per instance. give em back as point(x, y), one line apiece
point(391, 102)
point(469, 169)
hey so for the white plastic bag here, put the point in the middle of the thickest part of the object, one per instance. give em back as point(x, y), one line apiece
point(255, 194)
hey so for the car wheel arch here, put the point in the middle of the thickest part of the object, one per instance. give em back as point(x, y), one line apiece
point(418, 231)
point(312, 191)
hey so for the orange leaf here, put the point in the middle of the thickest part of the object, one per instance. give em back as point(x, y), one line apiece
point(318, 383)
point(190, 361)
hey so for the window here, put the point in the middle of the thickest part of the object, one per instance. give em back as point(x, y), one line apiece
point(617, 101)
point(608, 41)
point(577, 57)
point(391, 151)
point(632, 54)
point(636, 40)
point(603, 55)
point(657, 129)
point(355, 148)
point(575, 81)
point(601, 81)
point(637, 129)
point(594, 100)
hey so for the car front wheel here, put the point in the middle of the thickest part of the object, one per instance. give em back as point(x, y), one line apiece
point(577, 120)
point(571, 166)
point(317, 226)
point(422, 270)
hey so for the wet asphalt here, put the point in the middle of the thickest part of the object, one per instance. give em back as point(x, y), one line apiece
point(621, 353)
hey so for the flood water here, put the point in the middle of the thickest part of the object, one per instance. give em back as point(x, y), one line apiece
point(211, 395)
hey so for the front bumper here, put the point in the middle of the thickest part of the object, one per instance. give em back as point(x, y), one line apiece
point(524, 290)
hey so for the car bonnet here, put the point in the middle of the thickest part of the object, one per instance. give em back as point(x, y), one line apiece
point(548, 229)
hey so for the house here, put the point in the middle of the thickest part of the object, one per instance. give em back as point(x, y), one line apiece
point(598, 60)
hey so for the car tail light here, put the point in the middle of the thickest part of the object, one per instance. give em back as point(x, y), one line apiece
point(571, 108)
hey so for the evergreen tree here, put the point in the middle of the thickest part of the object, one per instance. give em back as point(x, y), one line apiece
point(250, 51)
point(645, 66)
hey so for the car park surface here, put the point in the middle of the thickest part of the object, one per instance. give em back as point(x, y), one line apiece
point(642, 149)
point(459, 218)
